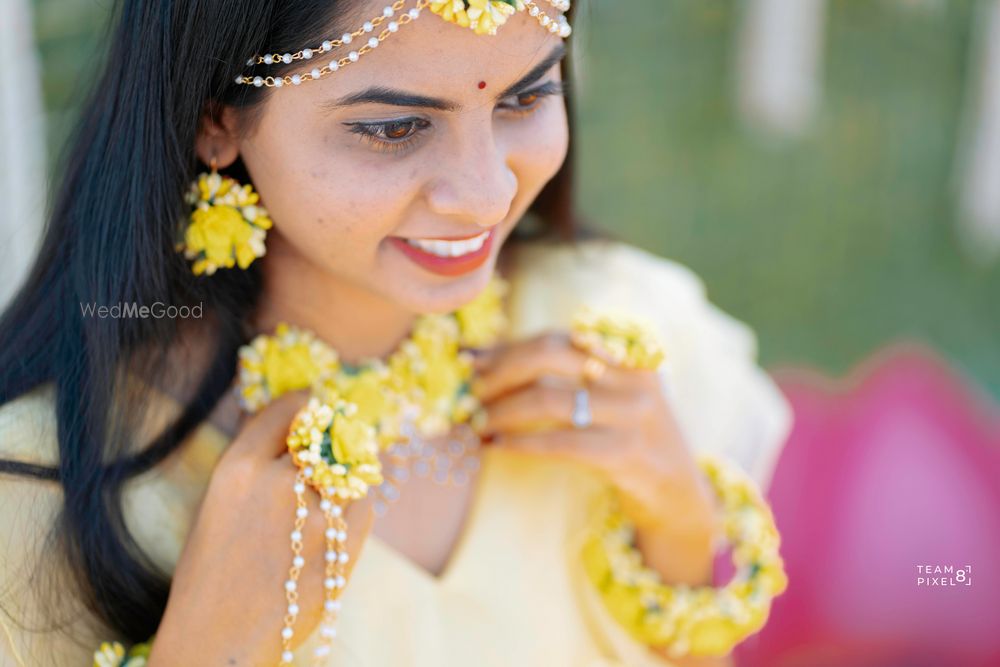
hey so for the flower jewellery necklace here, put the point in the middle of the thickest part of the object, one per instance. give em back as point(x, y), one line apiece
point(394, 408)
point(358, 411)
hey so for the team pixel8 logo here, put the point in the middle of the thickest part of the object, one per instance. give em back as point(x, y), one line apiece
point(944, 575)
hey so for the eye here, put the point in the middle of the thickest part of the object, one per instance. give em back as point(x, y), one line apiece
point(527, 101)
point(391, 135)
point(399, 130)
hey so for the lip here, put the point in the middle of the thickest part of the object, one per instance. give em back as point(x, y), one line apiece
point(447, 266)
point(452, 238)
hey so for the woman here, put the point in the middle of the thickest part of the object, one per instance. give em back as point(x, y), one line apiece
point(139, 498)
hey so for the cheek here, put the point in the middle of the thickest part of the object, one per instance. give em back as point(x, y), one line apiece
point(324, 200)
point(539, 148)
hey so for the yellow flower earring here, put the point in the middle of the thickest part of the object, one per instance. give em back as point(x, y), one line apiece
point(226, 227)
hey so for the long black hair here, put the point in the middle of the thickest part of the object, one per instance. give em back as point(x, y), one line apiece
point(110, 240)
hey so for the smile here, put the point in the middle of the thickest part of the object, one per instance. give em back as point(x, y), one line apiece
point(448, 257)
point(456, 248)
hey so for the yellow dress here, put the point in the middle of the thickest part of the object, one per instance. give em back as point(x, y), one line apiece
point(513, 593)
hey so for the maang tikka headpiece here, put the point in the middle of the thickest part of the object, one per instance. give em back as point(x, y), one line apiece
point(482, 16)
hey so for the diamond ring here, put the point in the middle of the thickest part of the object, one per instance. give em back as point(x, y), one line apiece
point(581, 409)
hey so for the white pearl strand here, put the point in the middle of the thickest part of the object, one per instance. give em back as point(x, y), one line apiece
point(416, 456)
point(334, 581)
point(452, 463)
point(367, 28)
point(557, 26)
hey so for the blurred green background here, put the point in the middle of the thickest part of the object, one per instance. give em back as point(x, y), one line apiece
point(829, 244)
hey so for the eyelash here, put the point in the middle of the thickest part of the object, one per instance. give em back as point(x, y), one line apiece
point(375, 133)
point(550, 89)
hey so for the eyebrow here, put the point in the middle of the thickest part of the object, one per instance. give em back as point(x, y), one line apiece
point(399, 98)
point(536, 73)
point(396, 98)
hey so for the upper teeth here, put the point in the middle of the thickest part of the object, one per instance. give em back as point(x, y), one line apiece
point(443, 248)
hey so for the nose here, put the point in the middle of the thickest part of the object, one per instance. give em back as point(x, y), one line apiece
point(474, 183)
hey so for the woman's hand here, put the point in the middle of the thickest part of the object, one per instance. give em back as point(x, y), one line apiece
point(633, 440)
point(227, 601)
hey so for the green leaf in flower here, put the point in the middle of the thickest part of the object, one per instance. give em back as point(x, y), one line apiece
point(351, 369)
point(512, 3)
point(326, 448)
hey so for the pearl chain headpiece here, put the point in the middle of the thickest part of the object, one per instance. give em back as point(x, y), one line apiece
point(482, 16)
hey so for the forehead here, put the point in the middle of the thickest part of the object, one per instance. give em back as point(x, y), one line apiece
point(434, 57)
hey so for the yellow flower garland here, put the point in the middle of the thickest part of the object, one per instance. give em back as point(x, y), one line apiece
point(290, 360)
point(427, 378)
point(695, 621)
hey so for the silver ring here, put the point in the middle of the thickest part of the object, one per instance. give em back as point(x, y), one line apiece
point(581, 409)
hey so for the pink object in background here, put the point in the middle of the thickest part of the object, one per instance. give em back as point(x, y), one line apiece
point(894, 468)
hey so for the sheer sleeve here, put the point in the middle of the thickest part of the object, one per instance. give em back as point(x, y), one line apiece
point(41, 621)
point(723, 401)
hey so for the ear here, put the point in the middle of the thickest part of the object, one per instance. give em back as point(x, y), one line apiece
point(218, 136)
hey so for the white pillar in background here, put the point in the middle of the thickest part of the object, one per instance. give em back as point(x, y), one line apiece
point(978, 168)
point(779, 63)
point(22, 146)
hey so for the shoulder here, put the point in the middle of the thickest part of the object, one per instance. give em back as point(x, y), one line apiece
point(724, 402)
point(551, 280)
point(42, 620)
point(44, 617)
point(28, 431)
point(541, 256)
point(582, 254)
point(602, 273)
point(27, 505)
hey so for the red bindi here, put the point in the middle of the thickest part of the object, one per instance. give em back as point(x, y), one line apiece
point(482, 85)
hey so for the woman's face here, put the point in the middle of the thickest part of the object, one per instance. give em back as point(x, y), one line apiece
point(439, 134)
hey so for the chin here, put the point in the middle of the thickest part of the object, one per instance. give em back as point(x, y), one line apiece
point(443, 294)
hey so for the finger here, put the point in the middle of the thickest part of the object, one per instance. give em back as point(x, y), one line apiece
point(592, 447)
point(520, 364)
point(264, 433)
point(524, 409)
